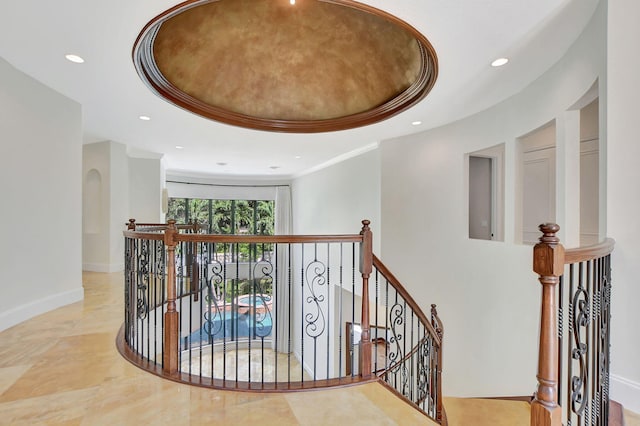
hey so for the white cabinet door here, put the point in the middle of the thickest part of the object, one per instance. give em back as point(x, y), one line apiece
point(539, 192)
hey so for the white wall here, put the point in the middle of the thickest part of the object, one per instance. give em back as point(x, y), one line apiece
point(119, 204)
point(96, 201)
point(103, 248)
point(40, 182)
point(130, 187)
point(623, 197)
point(145, 190)
point(486, 293)
point(336, 199)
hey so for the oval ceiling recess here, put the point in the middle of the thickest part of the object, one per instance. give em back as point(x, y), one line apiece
point(314, 66)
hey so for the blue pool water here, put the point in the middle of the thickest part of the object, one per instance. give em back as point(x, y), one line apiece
point(230, 326)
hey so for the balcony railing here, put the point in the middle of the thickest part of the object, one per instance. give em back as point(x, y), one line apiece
point(275, 313)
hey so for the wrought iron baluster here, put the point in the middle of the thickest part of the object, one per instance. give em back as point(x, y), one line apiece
point(234, 295)
point(251, 313)
point(302, 260)
point(340, 309)
point(570, 339)
point(353, 309)
point(315, 320)
point(290, 307)
point(329, 308)
point(560, 336)
point(579, 391)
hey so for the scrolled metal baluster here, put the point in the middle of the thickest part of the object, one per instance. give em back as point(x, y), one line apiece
point(396, 356)
point(129, 277)
point(213, 317)
point(395, 321)
point(264, 270)
point(580, 321)
point(315, 278)
point(424, 370)
point(142, 305)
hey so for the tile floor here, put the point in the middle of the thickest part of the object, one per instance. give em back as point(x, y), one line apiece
point(62, 368)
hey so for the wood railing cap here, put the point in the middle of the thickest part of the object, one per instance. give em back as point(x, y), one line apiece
point(549, 231)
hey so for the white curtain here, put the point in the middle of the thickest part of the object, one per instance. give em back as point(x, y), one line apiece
point(283, 226)
point(216, 191)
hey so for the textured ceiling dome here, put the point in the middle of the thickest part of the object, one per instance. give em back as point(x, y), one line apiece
point(313, 66)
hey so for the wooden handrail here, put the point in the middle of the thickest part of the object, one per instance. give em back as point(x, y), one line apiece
point(132, 225)
point(386, 273)
point(259, 239)
point(245, 239)
point(583, 254)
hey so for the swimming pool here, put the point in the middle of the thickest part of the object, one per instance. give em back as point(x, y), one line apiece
point(239, 322)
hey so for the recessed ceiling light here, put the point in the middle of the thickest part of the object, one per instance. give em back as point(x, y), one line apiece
point(144, 118)
point(221, 163)
point(274, 167)
point(74, 58)
point(292, 1)
point(179, 147)
point(416, 123)
point(297, 157)
point(499, 62)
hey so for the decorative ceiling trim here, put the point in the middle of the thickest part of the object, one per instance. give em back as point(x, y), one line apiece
point(149, 72)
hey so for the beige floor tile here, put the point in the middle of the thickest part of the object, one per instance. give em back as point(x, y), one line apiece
point(486, 412)
point(74, 362)
point(142, 399)
point(21, 352)
point(344, 406)
point(631, 418)
point(56, 408)
point(226, 408)
point(9, 375)
point(395, 408)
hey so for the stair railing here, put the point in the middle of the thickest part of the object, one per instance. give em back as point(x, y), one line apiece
point(573, 373)
point(275, 313)
point(409, 344)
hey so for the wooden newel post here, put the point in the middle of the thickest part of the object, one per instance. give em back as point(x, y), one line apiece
point(171, 319)
point(437, 391)
point(548, 262)
point(131, 226)
point(366, 267)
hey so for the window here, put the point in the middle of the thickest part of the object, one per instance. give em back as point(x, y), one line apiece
point(224, 216)
point(234, 273)
point(230, 217)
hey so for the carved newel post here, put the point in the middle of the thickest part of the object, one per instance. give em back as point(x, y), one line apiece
point(366, 267)
point(171, 319)
point(548, 262)
point(131, 226)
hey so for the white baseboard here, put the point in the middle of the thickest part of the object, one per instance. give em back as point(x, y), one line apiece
point(103, 267)
point(29, 310)
point(626, 392)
